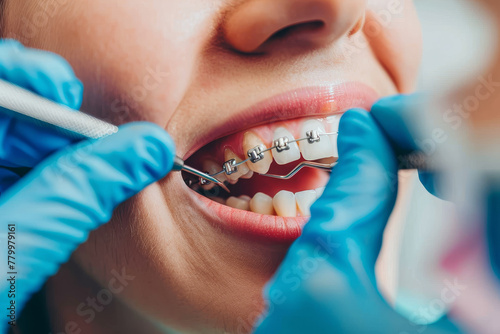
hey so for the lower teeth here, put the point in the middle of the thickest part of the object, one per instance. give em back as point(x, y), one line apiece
point(284, 203)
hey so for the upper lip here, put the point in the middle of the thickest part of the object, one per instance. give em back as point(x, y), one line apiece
point(303, 102)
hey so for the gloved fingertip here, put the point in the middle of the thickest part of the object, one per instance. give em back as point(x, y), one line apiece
point(44, 73)
point(68, 91)
point(396, 116)
point(11, 43)
point(56, 79)
point(72, 93)
point(357, 123)
point(351, 120)
point(158, 143)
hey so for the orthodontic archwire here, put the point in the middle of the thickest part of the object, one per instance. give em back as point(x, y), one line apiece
point(281, 144)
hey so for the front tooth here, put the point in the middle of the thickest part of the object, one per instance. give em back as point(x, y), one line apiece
point(304, 201)
point(241, 203)
point(284, 203)
point(334, 121)
point(242, 169)
point(262, 203)
point(316, 150)
point(287, 156)
point(250, 141)
point(319, 192)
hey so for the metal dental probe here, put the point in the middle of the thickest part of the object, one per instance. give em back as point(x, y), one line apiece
point(23, 103)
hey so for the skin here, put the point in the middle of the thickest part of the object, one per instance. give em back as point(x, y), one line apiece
point(211, 57)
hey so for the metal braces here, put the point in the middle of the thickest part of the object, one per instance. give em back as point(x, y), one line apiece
point(281, 144)
point(256, 154)
point(313, 136)
point(230, 167)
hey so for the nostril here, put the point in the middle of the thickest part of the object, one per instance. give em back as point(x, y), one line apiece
point(253, 26)
point(296, 29)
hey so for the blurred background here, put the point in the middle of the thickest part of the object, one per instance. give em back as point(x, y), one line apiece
point(458, 39)
point(458, 43)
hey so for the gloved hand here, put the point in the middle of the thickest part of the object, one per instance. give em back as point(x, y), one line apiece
point(46, 214)
point(398, 117)
point(326, 284)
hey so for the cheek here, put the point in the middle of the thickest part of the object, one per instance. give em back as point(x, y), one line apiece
point(394, 32)
point(134, 58)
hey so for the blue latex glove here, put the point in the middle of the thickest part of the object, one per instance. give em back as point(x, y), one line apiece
point(68, 193)
point(326, 284)
point(493, 222)
point(396, 116)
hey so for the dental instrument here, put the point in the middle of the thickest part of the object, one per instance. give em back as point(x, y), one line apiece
point(25, 104)
point(303, 164)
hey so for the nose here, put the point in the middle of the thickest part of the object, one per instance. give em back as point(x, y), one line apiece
point(258, 25)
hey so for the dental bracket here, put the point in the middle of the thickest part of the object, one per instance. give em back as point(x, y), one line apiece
point(282, 144)
point(230, 167)
point(313, 136)
point(256, 154)
point(204, 182)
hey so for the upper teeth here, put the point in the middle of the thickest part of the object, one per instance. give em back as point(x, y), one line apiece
point(250, 142)
point(211, 168)
point(315, 143)
point(334, 121)
point(234, 172)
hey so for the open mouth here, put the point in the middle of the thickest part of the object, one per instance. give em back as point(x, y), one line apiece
point(272, 137)
point(249, 161)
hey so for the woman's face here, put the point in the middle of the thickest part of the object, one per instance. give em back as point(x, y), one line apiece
point(221, 76)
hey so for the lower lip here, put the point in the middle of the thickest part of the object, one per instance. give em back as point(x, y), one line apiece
point(264, 228)
point(250, 225)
